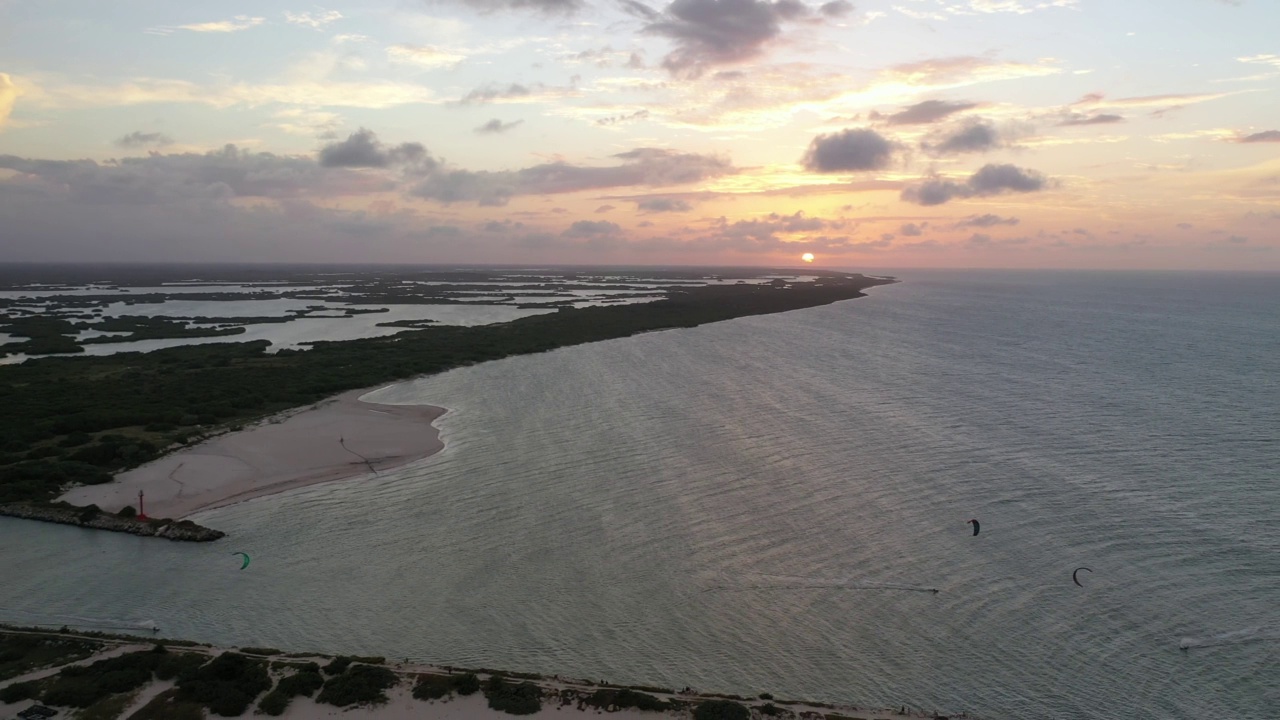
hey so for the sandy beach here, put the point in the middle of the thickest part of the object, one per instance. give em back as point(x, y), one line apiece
point(336, 439)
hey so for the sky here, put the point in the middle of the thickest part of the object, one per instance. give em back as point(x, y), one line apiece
point(1125, 134)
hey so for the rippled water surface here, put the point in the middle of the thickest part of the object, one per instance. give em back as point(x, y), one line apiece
point(763, 505)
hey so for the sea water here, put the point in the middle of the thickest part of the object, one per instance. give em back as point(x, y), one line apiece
point(765, 504)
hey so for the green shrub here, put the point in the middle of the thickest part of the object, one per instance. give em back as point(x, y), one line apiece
point(78, 692)
point(522, 699)
point(432, 687)
point(226, 685)
point(274, 703)
point(176, 665)
point(771, 710)
point(466, 684)
point(337, 666)
point(721, 710)
point(606, 698)
point(360, 684)
point(127, 512)
point(303, 683)
point(18, 692)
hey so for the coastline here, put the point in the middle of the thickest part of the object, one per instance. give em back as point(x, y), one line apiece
point(558, 698)
point(340, 438)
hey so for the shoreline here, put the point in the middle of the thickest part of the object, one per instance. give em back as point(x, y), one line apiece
point(561, 698)
point(339, 438)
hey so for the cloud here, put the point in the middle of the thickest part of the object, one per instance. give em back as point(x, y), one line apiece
point(236, 24)
point(214, 176)
point(551, 7)
point(643, 167)
point(976, 135)
point(836, 8)
point(1082, 119)
point(708, 33)
point(315, 20)
point(1265, 136)
point(138, 138)
point(990, 180)
point(928, 111)
point(423, 56)
point(624, 118)
point(591, 228)
point(912, 229)
point(59, 94)
point(491, 92)
point(605, 208)
point(496, 126)
point(308, 123)
point(362, 149)
point(847, 150)
point(987, 220)
point(661, 205)
point(8, 95)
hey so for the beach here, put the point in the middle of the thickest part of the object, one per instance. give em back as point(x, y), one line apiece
point(339, 438)
point(560, 698)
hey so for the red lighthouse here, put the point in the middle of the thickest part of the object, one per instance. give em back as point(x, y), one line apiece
point(142, 513)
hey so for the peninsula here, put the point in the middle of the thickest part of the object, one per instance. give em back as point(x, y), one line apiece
point(204, 425)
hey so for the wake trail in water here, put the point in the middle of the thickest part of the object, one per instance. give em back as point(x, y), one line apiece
point(1235, 637)
point(794, 583)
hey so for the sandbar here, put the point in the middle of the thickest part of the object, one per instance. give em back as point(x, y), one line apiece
point(339, 438)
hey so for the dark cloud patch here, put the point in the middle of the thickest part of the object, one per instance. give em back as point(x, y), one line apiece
point(1265, 136)
point(990, 180)
point(496, 126)
point(709, 33)
point(1081, 119)
point(592, 228)
point(492, 92)
point(848, 150)
point(213, 176)
point(987, 220)
point(640, 10)
point(662, 205)
point(363, 149)
point(605, 208)
point(912, 229)
point(977, 135)
point(647, 166)
point(1184, 226)
point(994, 179)
point(138, 138)
point(836, 8)
point(928, 111)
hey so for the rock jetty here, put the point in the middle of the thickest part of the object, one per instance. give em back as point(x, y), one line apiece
point(92, 517)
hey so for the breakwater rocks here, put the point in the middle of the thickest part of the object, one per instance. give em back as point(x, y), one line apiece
point(92, 517)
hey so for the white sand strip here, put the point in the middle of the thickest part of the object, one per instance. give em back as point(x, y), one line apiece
point(336, 439)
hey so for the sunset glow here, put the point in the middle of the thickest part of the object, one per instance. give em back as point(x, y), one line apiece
point(894, 133)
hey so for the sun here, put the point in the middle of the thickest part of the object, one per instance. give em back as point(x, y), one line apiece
point(807, 257)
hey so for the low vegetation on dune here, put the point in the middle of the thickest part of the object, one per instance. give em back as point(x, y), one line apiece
point(21, 654)
point(522, 698)
point(436, 687)
point(358, 684)
point(304, 683)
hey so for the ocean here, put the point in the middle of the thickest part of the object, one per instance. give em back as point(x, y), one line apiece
point(766, 504)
